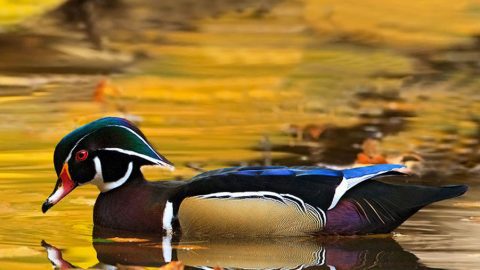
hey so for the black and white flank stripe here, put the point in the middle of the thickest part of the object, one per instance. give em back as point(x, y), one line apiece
point(318, 214)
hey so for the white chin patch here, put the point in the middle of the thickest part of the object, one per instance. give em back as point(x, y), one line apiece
point(98, 179)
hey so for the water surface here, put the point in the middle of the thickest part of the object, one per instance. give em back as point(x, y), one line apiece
point(242, 83)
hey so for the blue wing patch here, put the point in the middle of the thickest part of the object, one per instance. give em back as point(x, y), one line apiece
point(304, 171)
point(279, 172)
point(245, 172)
point(319, 171)
point(370, 170)
point(272, 171)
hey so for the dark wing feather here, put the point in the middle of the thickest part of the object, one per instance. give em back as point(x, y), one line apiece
point(314, 185)
point(383, 207)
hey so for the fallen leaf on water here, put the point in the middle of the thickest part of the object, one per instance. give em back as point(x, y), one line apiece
point(365, 159)
point(371, 147)
point(371, 153)
point(104, 88)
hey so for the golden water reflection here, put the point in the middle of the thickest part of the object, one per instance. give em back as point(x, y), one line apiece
point(244, 82)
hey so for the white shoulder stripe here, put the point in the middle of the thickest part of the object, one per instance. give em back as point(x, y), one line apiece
point(166, 248)
point(349, 183)
point(167, 218)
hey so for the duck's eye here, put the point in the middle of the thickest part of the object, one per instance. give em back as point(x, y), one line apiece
point(81, 155)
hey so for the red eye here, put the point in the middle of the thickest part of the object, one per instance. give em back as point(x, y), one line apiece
point(81, 155)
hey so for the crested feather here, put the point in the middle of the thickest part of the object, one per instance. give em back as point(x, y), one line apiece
point(111, 134)
point(124, 140)
point(68, 142)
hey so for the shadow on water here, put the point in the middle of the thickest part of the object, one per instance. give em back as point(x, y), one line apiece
point(281, 253)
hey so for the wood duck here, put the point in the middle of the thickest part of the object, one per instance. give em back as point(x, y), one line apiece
point(239, 201)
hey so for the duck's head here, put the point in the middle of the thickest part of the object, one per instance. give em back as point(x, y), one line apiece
point(107, 153)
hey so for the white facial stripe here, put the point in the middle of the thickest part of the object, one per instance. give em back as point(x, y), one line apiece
point(71, 150)
point(157, 161)
point(140, 137)
point(98, 178)
point(133, 153)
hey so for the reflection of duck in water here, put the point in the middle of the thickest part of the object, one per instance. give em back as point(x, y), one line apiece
point(278, 253)
point(240, 201)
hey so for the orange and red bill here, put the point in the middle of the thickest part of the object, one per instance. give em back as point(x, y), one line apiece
point(64, 185)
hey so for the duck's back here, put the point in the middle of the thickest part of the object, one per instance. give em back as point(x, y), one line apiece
point(282, 201)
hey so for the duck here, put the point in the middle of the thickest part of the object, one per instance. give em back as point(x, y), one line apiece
point(249, 201)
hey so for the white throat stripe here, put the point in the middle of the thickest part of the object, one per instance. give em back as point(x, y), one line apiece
point(104, 187)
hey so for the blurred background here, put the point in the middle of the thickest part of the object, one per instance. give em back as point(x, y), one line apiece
point(215, 83)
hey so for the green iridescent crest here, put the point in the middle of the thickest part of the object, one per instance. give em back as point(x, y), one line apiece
point(111, 134)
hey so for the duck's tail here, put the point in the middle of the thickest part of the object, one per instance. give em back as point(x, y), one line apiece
point(377, 207)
